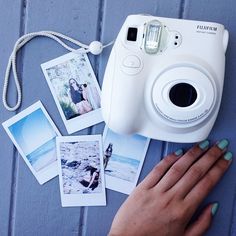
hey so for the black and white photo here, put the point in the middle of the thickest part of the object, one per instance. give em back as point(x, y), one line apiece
point(81, 171)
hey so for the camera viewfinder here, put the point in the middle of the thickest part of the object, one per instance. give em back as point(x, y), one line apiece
point(132, 34)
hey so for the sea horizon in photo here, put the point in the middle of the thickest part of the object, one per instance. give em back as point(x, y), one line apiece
point(122, 167)
point(32, 131)
point(43, 155)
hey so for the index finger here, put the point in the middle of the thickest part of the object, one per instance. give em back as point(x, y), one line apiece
point(160, 169)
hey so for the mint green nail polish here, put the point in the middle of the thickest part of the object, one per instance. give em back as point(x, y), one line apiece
point(228, 156)
point(214, 208)
point(204, 144)
point(179, 152)
point(223, 144)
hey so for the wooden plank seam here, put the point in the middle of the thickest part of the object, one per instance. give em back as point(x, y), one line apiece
point(15, 170)
point(182, 9)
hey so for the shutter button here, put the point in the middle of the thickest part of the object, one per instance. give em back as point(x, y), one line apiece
point(132, 62)
point(131, 65)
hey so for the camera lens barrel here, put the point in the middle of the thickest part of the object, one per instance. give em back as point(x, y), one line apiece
point(183, 94)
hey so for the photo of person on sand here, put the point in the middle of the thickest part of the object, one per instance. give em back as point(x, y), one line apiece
point(80, 165)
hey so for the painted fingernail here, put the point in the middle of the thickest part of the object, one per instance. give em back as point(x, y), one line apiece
point(228, 156)
point(179, 152)
point(214, 208)
point(204, 144)
point(223, 144)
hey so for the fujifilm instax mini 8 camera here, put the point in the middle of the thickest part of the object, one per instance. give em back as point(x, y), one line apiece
point(164, 78)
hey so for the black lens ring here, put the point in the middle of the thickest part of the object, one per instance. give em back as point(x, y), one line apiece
point(183, 94)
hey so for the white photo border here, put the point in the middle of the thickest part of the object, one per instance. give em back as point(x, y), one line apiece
point(94, 199)
point(80, 122)
point(121, 185)
point(48, 172)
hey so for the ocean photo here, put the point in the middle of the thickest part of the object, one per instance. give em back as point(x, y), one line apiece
point(122, 167)
point(123, 155)
point(37, 139)
point(44, 155)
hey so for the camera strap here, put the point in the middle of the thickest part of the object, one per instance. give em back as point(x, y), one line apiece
point(94, 47)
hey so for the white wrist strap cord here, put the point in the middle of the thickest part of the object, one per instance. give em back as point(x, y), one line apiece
point(95, 48)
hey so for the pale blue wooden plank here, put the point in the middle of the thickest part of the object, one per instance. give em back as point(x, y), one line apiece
point(114, 15)
point(10, 18)
point(72, 18)
point(38, 208)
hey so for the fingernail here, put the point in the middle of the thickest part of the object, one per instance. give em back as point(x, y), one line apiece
point(214, 208)
point(179, 152)
point(228, 156)
point(223, 144)
point(204, 144)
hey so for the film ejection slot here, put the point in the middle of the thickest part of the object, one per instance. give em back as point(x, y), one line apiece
point(152, 35)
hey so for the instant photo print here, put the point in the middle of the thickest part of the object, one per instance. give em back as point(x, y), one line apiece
point(34, 134)
point(75, 90)
point(123, 160)
point(81, 171)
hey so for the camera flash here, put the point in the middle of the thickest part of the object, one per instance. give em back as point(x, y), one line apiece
point(152, 38)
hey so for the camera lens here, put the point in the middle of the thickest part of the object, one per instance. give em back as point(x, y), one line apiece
point(132, 34)
point(183, 95)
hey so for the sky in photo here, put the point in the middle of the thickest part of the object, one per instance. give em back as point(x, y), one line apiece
point(126, 145)
point(32, 131)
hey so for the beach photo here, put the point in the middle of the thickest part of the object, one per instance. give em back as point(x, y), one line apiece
point(123, 159)
point(34, 134)
point(81, 170)
point(75, 90)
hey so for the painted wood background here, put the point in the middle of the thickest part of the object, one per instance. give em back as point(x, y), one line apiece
point(26, 208)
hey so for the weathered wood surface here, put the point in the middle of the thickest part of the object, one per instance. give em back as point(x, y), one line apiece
point(26, 208)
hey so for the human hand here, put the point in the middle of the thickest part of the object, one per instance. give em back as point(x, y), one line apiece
point(165, 201)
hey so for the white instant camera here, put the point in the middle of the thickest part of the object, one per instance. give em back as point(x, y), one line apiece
point(164, 78)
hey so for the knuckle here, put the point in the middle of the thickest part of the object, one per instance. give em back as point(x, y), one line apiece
point(196, 171)
point(177, 169)
point(178, 215)
point(167, 161)
point(157, 167)
point(158, 170)
point(222, 165)
point(210, 182)
point(193, 152)
point(214, 153)
point(206, 223)
point(211, 179)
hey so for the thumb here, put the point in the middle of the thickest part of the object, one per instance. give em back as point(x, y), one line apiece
point(201, 225)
